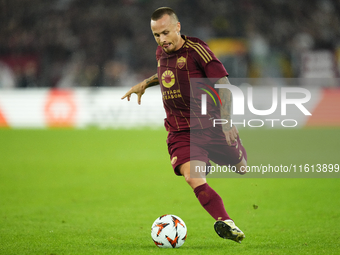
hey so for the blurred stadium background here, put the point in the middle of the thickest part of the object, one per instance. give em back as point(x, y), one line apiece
point(67, 62)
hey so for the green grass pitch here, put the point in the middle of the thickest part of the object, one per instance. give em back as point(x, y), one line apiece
point(98, 192)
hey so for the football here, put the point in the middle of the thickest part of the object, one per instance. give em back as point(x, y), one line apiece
point(169, 231)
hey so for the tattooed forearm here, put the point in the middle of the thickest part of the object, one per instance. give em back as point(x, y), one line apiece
point(152, 81)
point(226, 98)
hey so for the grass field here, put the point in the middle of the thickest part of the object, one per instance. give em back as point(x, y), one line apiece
point(98, 192)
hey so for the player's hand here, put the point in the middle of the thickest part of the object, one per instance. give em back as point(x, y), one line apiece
point(138, 89)
point(231, 135)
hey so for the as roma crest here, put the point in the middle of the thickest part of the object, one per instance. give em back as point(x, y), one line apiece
point(181, 62)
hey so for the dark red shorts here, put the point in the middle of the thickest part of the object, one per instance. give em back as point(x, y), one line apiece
point(203, 145)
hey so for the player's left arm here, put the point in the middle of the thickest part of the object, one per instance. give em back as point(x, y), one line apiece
point(230, 132)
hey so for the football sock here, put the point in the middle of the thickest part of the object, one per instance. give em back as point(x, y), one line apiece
point(211, 202)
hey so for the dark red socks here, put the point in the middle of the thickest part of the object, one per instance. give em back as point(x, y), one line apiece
point(211, 202)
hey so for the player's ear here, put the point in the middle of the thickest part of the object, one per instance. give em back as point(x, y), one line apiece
point(178, 27)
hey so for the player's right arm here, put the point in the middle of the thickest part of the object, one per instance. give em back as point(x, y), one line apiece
point(140, 88)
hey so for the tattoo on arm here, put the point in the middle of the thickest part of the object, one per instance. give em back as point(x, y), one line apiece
point(152, 81)
point(226, 98)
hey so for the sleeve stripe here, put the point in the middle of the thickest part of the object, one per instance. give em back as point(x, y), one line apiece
point(201, 51)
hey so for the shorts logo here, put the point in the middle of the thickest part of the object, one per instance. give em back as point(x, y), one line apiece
point(181, 62)
point(168, 79)
point(174, 160)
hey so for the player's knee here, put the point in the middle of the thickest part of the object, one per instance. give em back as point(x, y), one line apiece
point(192, 178)
point(188, 180)
point(194, 182)
point(241, 167)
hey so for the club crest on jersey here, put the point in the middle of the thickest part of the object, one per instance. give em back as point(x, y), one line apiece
point(181, 62)
point(168, 79)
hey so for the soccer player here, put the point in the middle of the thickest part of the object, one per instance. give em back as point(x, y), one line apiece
point(192, 140)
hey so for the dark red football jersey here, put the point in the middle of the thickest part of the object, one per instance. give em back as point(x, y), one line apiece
point(175, 73)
